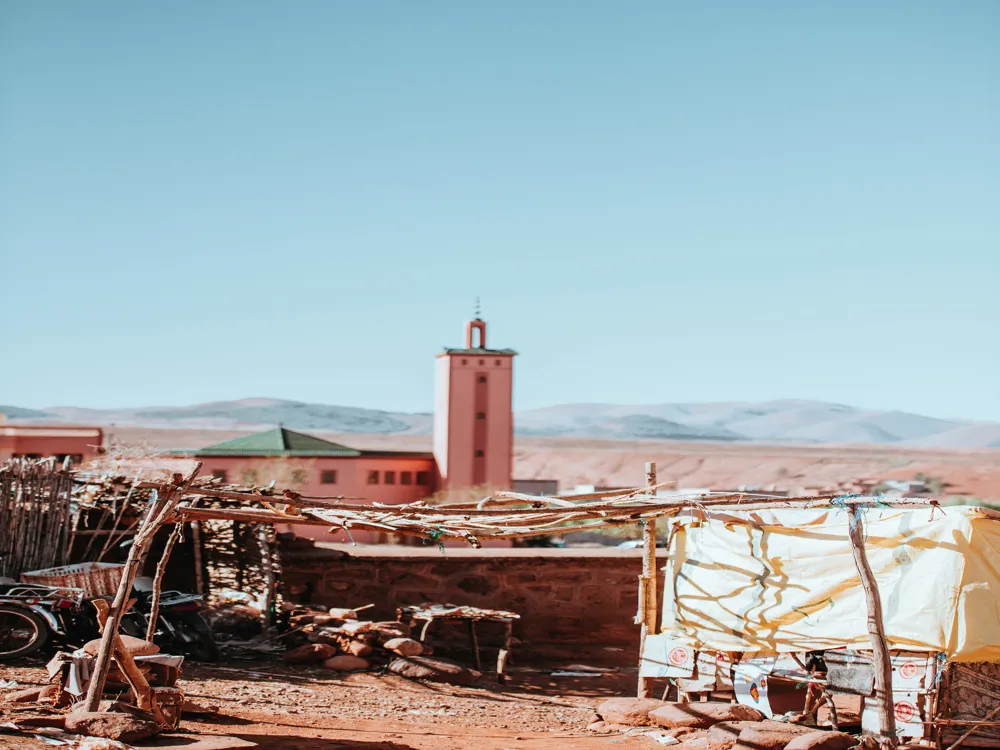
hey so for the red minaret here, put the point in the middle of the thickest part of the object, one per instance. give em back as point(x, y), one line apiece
point(473, 417)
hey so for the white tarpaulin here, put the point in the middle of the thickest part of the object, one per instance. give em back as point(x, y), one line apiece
point(785, 580)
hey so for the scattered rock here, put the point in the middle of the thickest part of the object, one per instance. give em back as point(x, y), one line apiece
point(822, 741)
point(631, 711)
point(57, 721)
point(358, 648)
point(403, 646)
point(326, 635)
point(112, 726)
point(327, 620)
point(194, 707)
point(386, 631)
point(723, 736)
point(845, 717)
point(434, 670)
point(354, 627)
point(596, 726)
point(701, 715)
point(311, 653)
point(30, 695)
point(346, 663)
point(769, 735)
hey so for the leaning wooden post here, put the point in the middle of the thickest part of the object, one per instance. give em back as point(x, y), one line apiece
point(161, 568)
point(876, 628)
point(157, 513)
point(647, 584)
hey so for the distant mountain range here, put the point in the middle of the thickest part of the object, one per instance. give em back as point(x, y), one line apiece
point(769, 421)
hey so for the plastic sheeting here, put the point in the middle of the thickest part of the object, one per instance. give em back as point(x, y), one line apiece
point(785, 580)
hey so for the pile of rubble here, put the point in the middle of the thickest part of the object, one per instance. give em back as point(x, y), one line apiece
point(339, 640)
point(717, 726)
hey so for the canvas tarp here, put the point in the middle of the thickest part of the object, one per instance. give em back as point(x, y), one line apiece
point(785, 580)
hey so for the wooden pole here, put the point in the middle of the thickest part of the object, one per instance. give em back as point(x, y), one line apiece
point(161, 568)
point(265, 563)
point(159, 508)
point(876, 629)
point(647, 584)
point(199, 576)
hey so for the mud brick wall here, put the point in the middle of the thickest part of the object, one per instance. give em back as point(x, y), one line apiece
point(574, 604)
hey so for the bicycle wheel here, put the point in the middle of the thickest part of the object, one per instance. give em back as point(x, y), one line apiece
point(22, 632)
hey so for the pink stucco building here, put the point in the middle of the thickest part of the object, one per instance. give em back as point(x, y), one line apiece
point(473, 414)
point(473, 444)
point(77, 443)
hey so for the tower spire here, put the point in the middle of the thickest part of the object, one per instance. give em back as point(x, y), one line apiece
point(479, 311)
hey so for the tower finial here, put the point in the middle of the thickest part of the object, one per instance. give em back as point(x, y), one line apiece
point(478, 309)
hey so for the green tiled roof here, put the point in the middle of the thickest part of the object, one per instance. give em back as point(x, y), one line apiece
point(482, 352)
point(277, 442)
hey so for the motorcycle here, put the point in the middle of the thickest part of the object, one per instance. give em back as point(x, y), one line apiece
point(180, 628)
point(34, 616)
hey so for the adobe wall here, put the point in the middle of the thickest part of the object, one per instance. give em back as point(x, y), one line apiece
point(575, 605)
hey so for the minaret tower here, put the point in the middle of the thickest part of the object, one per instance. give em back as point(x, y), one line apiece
point(473, 417)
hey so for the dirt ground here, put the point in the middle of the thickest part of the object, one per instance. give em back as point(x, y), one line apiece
point(313, 709)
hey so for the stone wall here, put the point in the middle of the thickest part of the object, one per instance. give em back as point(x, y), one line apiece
point(574, 604)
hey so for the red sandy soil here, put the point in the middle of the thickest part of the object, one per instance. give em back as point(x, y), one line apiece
point(973, 472)
point(313, 709)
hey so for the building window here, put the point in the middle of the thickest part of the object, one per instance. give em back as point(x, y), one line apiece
point(423, 478)
point(406, 477)
point(299, 476)
point(249, 476)
point(390, 477)
point(497, 363)
point(482, 362)
point(479, 454)
point(219, 474)
point(480, 415)
point(482, 378)
point(328, 477)
point(465, 361)
point(372, 477)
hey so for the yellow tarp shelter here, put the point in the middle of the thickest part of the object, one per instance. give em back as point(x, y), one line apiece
point(785, 580)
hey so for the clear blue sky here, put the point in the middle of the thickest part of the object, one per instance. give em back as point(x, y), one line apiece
point(657, 201)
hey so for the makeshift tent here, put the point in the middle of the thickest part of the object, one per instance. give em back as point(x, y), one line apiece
point(784, 580)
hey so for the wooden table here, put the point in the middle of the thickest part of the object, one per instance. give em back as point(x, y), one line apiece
point(429, 613)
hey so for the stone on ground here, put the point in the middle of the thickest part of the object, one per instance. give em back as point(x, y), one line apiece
point(822, 741)
point(111, 726)
point(311, 653)
point(633, 712)
point(433, 670)
point(701, 715)
point(346, 663)
point(30, 695)
point(723, 736)
point(358, 648)
point(390, 629)
point(403, 646)
point(769, 735)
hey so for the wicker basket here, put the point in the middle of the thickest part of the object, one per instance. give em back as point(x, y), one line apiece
point(96, 579)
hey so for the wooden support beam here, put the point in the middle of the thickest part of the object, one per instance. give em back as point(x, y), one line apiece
point(876, 629)
point(158, 511)
point(161, 568)
point(647, 584)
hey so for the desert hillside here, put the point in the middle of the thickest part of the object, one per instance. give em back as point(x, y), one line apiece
point(573, 461)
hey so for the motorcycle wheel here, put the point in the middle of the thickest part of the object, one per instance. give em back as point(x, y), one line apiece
point(203, 646)
point(22, 632)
